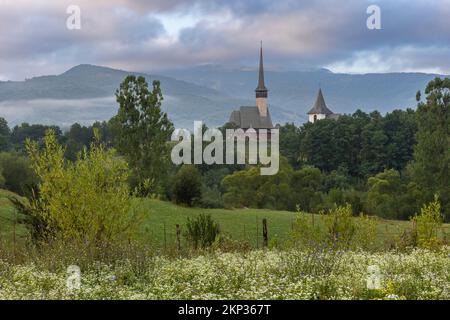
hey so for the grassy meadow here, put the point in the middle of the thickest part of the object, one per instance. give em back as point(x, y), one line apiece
point(161, 218)
point(240, 224)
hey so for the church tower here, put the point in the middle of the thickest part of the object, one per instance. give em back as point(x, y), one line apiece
point(320, 110)
point(255, 117)
point(261, 90)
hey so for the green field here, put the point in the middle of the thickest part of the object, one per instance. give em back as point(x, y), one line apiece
point(159, 227)
point(240, 224)
point(8, 229)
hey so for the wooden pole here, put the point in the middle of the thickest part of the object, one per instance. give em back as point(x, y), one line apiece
point(14, 236)
point(178, 237)
point(257, 233)
point(265, 235)
point(165, 236)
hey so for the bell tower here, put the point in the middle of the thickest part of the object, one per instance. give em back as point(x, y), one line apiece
point(261, 90)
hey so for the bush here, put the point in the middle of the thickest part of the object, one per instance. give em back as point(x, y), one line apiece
point(87, 200)
point(202, 231)
point(340, 226)
point(225, 243)
point(307, 230)
point(335, 228)
point(428, 223)
point(187, 185)
point(366, 232)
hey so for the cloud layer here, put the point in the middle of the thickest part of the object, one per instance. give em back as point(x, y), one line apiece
point(159, 34)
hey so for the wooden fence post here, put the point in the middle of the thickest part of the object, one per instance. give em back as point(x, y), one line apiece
point(165, 237)
point(257, 233)
point(178, 238)
point(14, 235)
point(265, 236)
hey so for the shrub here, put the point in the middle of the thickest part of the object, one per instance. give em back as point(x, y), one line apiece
point(307, 230)
point(202, 231)
point(366, 232)
point(335, 228)
point(225, 243)
point(340, 226)
point(428, 223)
point(87, 200)
point(187, 185)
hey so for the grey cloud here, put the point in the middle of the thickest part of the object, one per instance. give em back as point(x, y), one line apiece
point(127, 34)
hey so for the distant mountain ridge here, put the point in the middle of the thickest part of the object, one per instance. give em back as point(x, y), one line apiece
point(95, 86)
point(295, 91)
point(85, 93)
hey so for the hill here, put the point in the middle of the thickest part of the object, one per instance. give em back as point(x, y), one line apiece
point(296, 91)
point(85, 94)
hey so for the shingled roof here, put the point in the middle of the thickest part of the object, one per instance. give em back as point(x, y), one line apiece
point(320, 107)
point(249, 117)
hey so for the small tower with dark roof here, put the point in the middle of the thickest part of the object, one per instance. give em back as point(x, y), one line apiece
point(320, 110)
point(261, 90)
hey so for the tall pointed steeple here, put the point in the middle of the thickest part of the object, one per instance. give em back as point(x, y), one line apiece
point(261, 90)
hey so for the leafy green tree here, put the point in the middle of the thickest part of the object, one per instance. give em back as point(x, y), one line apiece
point(86, 201)
point(141, 130)
point(388, 196)
point(187, 184)
point(290, 143)
point(212, 188)
point(306, 184)
point(275, 192)
point(78, 137)
point(241, 188)
point(374, 143)
point(400, 127)
point(5, 135)
point(35, 132)
point(430, 169)
point(336, 179)
point(248, 188)
point(17, 173)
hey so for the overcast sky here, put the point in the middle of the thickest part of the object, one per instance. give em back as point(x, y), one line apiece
point(150, 35)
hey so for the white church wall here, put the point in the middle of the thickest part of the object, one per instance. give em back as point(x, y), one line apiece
point(318, 117)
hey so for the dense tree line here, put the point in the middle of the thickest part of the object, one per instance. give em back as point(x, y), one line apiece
point(360, 144)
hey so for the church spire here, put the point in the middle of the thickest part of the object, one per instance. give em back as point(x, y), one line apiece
point(261, 90)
